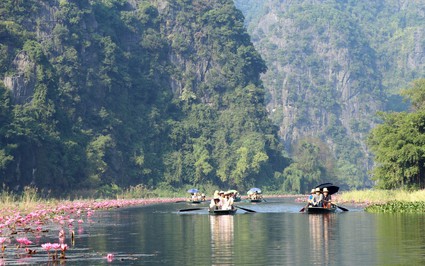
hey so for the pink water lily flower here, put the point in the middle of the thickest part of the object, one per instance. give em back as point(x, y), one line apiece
point(64, 247)
point(47, 246)
point(23, 241)
point(56, 246)
point(110, 257)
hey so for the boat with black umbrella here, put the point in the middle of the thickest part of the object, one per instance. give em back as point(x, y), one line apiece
point(330, 189)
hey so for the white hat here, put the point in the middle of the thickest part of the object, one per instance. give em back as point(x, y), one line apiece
point(325, 189)
point(318, 189)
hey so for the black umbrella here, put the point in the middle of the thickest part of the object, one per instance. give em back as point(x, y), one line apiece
point(331, 188)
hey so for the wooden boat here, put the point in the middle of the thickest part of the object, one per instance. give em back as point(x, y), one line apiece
point(320, 210)
point(194, 201)
point(255, 200)
point(222, 212)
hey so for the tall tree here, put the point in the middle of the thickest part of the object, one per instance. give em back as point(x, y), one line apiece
point(399, 144)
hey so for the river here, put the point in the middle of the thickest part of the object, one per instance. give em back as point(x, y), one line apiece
point(277, 234)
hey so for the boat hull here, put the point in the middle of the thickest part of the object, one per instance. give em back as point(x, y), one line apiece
point(194, 202)
point(255, 200)
point(222, 212)
point(320, 210)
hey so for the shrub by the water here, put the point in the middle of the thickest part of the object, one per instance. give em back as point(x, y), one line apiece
point(397, 207)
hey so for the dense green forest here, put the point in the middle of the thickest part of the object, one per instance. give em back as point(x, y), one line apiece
point(98, 94)
point(332, 66)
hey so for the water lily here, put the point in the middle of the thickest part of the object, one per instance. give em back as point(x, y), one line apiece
point(63, 247)
point(110, 257)
point(23, 241)
point(47, 247)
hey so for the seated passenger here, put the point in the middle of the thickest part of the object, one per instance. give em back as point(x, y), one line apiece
point(228, 204)
point(311, 197)
point(215, 203)
point(222, 198)
point(327, 199)
point(318, 198)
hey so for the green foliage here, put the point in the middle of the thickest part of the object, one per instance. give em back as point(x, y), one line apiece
point(397, 207)
point(107, 110)
point(416, 94)
point(398, 144)
point(308, 169)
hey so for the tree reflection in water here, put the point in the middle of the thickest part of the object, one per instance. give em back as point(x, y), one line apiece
point(222, 239)
point(320, 236)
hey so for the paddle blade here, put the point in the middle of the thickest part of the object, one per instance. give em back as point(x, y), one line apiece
point(245, 209)
point(342, 208)
point(192, 209)
point(302, 210)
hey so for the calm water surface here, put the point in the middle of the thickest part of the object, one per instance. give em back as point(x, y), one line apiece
point(276, 235)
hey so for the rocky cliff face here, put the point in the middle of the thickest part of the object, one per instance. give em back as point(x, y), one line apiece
point(330, 66)
point(22, 83)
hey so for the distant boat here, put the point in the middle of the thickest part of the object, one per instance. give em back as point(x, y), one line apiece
point(196, 198)
point(254, 195)
point(332, 189)
point(193, 201)
point(255, 200)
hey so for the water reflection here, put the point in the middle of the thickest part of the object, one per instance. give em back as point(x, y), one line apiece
point(321, 226)
point(275, 235)
point(222, 239)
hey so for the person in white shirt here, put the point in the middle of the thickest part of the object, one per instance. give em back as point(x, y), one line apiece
point(318, 198)
point(228, 203)
point(215, 203)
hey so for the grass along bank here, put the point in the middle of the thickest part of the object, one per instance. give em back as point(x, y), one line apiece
point(387, 201)
point(31, 200)
point(374, 196)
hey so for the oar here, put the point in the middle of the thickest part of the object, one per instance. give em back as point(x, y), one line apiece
point(302, 210)
point(342, 208)
point(191, 209)
point(180, 201)
point(245, 209)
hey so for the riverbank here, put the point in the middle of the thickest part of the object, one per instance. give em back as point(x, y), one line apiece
point(386, 201)
point(380, 196)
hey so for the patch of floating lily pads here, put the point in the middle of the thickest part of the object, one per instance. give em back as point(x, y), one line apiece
point(21, 234)
point(397, 207)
